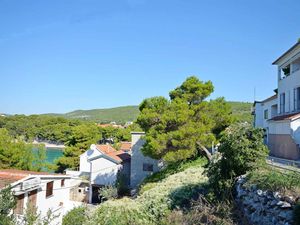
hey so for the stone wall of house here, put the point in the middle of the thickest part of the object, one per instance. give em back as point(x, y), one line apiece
point(263, 207)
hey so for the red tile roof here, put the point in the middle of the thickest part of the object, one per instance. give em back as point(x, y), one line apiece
point(109, 151)
point(9, 176)
point(125, 146)
point(292, 116)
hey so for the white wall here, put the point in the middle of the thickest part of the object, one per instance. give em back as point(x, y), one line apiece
point(295, 126)
point(287, 86)
point(104, 172)
point(260, 108)
point(90, 153)
point(280, 127)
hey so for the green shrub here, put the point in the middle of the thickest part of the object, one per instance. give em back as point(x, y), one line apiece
point(121, 212)
point(107, 193)
point(241, 150)
point(273, 179)
point(155, 203)
point(76, 216)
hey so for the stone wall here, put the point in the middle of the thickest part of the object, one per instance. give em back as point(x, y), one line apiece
point(263, 207)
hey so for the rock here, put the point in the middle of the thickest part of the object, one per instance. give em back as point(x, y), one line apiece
point(289, 199)
point(277, 195)
point(260, 192)
point(286, 205)
point(286, 215)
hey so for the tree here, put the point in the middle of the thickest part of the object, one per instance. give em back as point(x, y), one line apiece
point(8, 203)
point(76, 216)
point(180, 128)
point(241, 150)
point(14, 153)
point(80, 140)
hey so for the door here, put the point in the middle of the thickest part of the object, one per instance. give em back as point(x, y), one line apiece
point(32, 196)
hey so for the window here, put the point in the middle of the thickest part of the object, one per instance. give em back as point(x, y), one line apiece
point(147, 167)
point(49, 190)
point(62, 183)
point(266, 114)
point(20, 205)
point(282, 103)
point(296, 99)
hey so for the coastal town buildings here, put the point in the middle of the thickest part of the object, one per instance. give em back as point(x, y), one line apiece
point(41, 190)
point(279, 115)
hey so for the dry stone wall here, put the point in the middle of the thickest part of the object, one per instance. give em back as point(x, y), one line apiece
point(263, 207)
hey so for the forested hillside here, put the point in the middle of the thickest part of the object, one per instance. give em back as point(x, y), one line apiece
point(121, 115)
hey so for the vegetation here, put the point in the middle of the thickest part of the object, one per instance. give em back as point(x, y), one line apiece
point(274, 179)
point(120, 115)
point(152, 205)
point(241, 111)
point(15, 153)
point(8, 203)
point(177, 129)
point(241, 150)
point(76, 216)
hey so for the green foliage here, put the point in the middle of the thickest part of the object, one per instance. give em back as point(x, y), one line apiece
point(76, 216)
point(8, 203)
point(108, 193)
point(201, 213)
point(169, 170)
point(82, 136)
point(14, 153)
point(241, 111)
point(120, 115)
point(174, 128)
point(152, 205)
point(274, 179)
point(241, 151)
point(121, 212)
point(122, 185)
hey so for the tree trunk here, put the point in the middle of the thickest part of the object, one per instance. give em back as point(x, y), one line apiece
point(205, 151)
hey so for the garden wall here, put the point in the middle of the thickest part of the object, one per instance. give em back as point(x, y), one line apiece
point(263, 207)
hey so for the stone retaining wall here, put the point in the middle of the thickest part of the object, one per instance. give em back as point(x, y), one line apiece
point(263, 207)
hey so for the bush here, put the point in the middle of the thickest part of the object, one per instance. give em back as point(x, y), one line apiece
point(76, 216)
point(155, 203)
point(241, 150)
point(107, 193)
point(273, 179)
point(121, 212)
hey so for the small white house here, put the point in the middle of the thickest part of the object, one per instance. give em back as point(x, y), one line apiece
point(279, 115)
point(44, 191)
point(102, 163)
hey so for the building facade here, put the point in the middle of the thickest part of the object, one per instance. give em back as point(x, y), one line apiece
point(279, 115)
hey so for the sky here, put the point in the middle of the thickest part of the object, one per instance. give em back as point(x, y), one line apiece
point(62, 55)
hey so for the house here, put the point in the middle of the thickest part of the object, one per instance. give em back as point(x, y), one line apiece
point(125, 146)
point(141, 166)
point(44, 191)
point(279, 114)
point(102, 163)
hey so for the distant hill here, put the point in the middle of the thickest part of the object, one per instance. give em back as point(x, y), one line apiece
point(242, 111)
point(121, 115)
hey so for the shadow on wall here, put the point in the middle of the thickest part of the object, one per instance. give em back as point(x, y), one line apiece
point(106, 178)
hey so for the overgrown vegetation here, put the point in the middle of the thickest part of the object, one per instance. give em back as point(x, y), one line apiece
point(241, 150)
point(275, 179)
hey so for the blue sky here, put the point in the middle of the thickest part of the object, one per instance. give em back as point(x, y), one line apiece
point(62, 55)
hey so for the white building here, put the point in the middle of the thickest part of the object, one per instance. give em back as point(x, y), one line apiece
point(102, 163)
point(44, 191)
point(279, 115)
